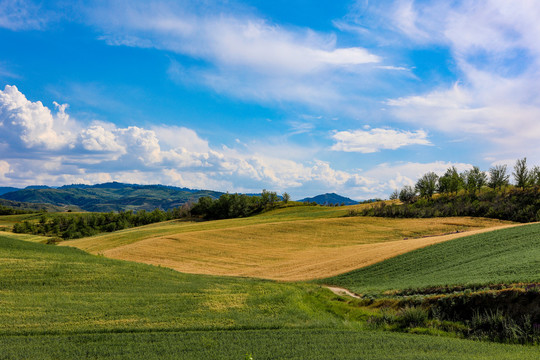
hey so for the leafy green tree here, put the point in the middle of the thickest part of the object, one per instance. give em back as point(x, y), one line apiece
point(535, 175)
point(407, 194)
point(521, 173)
point(394, 195)
point(286, 197)
point(427, 184)
point(474, 179)
point(498, 177)
point(450, 182)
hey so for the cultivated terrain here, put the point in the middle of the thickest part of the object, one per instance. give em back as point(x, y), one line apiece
point(82, 300)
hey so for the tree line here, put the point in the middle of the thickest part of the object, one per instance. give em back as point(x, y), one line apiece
point(73, 226)
point(5, 210)
point(470, 193)
point(229, 206)
point(471, 181)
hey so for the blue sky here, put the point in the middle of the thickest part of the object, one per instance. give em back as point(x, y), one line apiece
point(355, 97)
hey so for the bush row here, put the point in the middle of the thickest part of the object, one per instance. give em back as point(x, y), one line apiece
point(520, 205)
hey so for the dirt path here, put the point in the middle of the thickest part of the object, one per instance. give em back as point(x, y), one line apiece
point(342, 291)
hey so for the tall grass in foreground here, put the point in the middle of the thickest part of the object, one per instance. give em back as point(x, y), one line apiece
point(290, 344)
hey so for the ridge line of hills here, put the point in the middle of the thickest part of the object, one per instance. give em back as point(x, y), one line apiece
point(116, 196)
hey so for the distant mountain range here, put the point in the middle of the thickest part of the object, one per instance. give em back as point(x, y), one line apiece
point(113, 196)
point(4, 190)
point(330, 199)
point(116, 196)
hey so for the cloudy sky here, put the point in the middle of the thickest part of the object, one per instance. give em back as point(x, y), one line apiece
point(355, 97)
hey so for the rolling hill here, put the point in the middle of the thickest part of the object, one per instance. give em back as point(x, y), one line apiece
point(293, 243)
point(7, 189)
point(503, 256)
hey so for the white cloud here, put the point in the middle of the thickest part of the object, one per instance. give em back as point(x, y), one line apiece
point(174, 137)
point(31, 124)
point(21, 15)
point(229, 41)
point(496, 49)
point(178, 156)
point(377, 139)
point(239, 54)
point(391, 176)
point(97, 138)
point(4, 170)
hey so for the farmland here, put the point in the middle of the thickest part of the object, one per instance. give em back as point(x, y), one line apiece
point(60, 302)
point(504, 256)
point(295, 243)
point(84, 300)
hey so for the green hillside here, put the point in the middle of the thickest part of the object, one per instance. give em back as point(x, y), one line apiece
point(111, 197)
point(503, 256)
point(63, 303)
point(34, 206)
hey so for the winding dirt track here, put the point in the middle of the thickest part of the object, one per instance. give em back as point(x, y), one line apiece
point(252, 259)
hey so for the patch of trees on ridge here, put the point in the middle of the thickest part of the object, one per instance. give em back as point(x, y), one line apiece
point(73, 226)
point(66, 226)
point(229, 206)
point(470, 193)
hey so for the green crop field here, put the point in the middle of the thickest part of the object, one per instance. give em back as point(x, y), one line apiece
point(286, 344)
point(59, 302)
point(502, 256)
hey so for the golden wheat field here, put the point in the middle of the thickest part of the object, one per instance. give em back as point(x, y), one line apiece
point(282, 247)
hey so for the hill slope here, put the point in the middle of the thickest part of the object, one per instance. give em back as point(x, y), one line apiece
point(111, 196)
point(503, 256)
point(295, 243)
point(4, 190)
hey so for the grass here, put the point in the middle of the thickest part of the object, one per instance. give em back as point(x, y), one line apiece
point(59, 302)
point(8, 221)
point(56, 290)
point(294, 243)
point(504, 256)
point(297, 344)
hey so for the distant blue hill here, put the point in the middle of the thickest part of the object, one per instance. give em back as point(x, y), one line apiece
point(330, 199)
point(111, 196)
point(37, 187)
point(5, 190)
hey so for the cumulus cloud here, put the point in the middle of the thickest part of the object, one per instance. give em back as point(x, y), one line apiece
point(391, 176)
point(377, 139)
point(97, 138)
point(4, 170)
point(32, 125)
point(171, 155)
